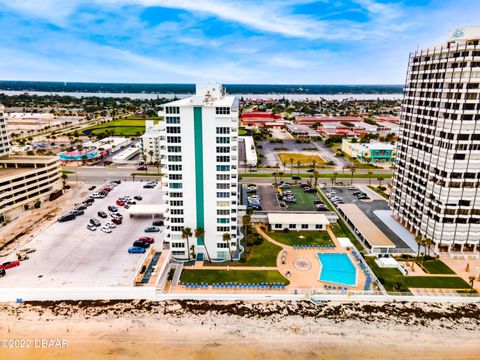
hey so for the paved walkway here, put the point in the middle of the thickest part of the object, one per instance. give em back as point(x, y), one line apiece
point(206, 267)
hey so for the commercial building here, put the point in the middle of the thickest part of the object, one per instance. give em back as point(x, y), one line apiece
point(151, 142)
point(302, 131)
point(372, 152)
point(297, 221)
point(435, 187)
point(4, 144)
point(199, 145)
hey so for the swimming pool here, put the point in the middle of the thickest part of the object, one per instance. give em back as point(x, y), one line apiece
point(337, 269)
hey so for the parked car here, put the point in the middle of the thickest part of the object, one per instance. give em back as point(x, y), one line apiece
point(304, 185)
point(296, 177)
point(116, 215)
point(146, 239)
point(142, 167)
point(310, 190)
point(67, 217)
point(117, 221)
point(150, 229)
point(78, 212)
point(157, 223)
point(351, 187)
point(251, 189)
point(317, 202)
point(321, 207)
point(147, 186)
point(91, 227)
point(106, 230)
point(110, 225)
point(310, 170)
point(363, 197)
point(136, 250)
point(254, 197)
point(95, 222)
point(284, 186)
point(102, 214)
point(358, 192)
point(81, 207)
point(2, 272)
point(10, 264)
point(92, 188)
point(113, 208)
point(141, 244)
point(138, 197)
point(254, 206)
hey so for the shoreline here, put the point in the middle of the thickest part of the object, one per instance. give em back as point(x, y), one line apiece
point(239, 330)
point(146, 96)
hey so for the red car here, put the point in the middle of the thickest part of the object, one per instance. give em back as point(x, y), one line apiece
point(120, 202)
point(9, 264)
point(146, 239)
point(107, 189)
point(117, 221)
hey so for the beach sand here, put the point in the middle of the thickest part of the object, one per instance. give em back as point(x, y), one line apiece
point(242, 330)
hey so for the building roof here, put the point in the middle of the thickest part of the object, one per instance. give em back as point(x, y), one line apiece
point(297, 218)
point(372, 234)
point(147, 209)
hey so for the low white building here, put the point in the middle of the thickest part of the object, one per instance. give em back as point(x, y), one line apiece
point(151, 142)
point(109, 144)
point(250, 150)
point(125, 156)
point(297, 221)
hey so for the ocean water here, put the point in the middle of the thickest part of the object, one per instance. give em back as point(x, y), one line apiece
point(147, 90)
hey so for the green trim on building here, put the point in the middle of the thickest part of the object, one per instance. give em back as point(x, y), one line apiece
point(200, 197)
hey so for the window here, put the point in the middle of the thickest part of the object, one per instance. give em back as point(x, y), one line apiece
point(223, 203)
point(292, 226)
point(319, 227)
point(459, 156)
point(222, 110)
point(223, 130)
point(172, 110)
point(176, 212)
point(173, 129)
point(175, 220)
point(176, 185)
point(174, 149)
point(222, 245)
point(176, 228)
point(223, 221)
point(223, 176)
point(178, 253)
point(174, 176)
point(174, 139)
point(175, 195)
point(223, 168)
point(176, 203)
point(278, 226)
point(223, 212)
point(174, 157)
point(178, 245)
point(223, 186)
point(304, 226)
point(223, 140)
point(223, 195)
point(175, 167)
point(172, 120)
point(223, 149)
point(223, 229)
point(223, 158)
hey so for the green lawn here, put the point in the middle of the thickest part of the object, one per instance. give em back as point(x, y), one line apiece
point(304, 159)
point(309, 237)
point(131, 127)
point(380, 192)
point(264, 254)
point(435, 267)
point(238, 276)
point(393, 279)
point(304, 200)
point(320, 176)
point(242, 132)
point(139, 174)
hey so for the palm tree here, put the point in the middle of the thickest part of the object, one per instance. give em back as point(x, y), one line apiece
point(275, 176)
point(64, 180)
point(428, 244)
point(352, 171)
point(226, 237)
point(200, 234)
point(314, 162)
point(334, 178)
point(186, 234)
point(284, 165)
point(369, 177)
point(471, 280)
point(316, 175)
point(380, 179)
point(418, 240)
point(298, 166)
point(291, 166)
point(157, 164)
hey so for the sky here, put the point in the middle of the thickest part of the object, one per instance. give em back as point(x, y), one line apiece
point(227, 41)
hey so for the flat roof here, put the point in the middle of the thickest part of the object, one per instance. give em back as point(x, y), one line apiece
point(297, 218)
point(372, 234)
point(27, 159)
point(147, 209)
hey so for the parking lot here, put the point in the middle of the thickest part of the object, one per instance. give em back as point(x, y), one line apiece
point(369, 207)
point(68, 254)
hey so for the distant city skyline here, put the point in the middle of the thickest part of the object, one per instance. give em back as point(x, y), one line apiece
point(231, 41)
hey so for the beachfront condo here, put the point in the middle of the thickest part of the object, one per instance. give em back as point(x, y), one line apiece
point(437, 177)
point(200, 162)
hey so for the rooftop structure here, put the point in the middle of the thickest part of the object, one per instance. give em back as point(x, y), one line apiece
point(297, 221)
point(372, 152)
point(4, 143)
point(150, 140)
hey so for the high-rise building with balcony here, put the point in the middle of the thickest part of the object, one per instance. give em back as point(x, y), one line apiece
point(436, 186)
point(4, 144)
point(200, 162)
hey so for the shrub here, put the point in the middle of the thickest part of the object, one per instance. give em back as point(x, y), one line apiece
point(286, 230)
